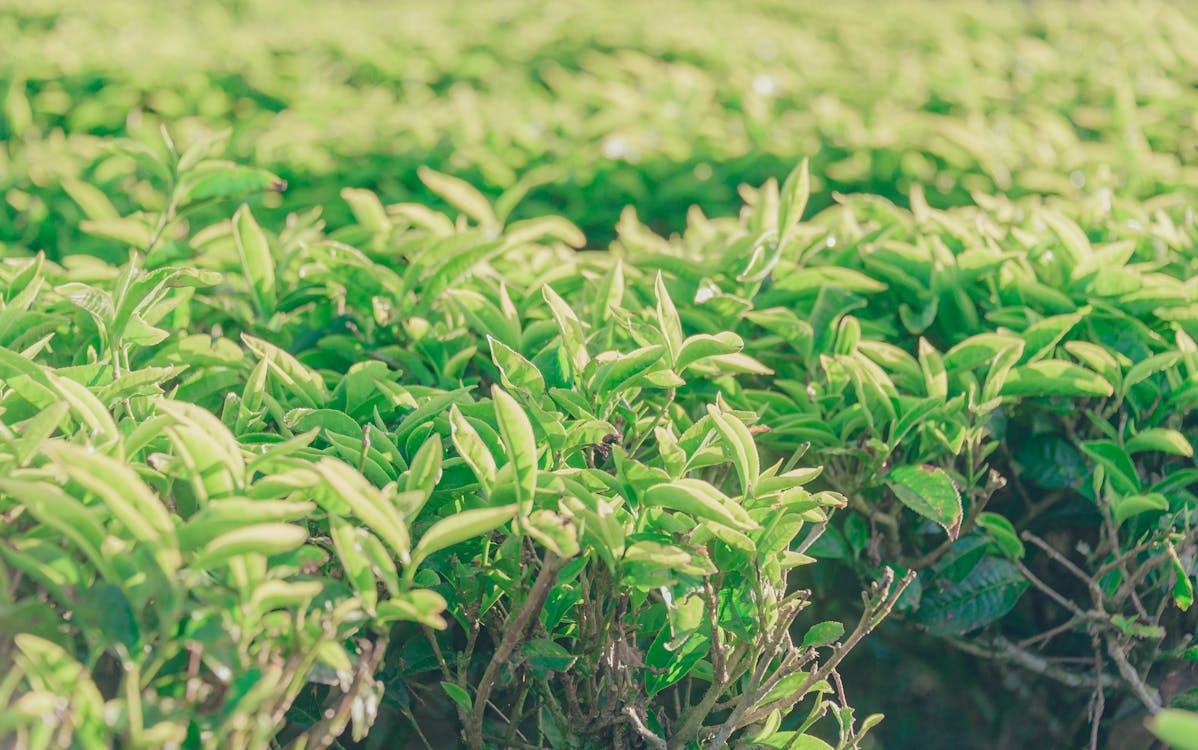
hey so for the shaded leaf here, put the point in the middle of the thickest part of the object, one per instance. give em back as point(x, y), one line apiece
point(930, 492)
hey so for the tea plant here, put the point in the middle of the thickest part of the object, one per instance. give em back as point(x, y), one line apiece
point(217, 539)
point(366, 431)
point(1043, 368)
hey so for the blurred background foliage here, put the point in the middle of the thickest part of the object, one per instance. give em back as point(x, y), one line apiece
point(595, 106)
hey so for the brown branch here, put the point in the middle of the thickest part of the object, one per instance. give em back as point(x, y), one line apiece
point(1090, 583)
point(888, 594)
point(514, 631)
point(645, 732)
point(1051, 633)
point(1098, 701)
point(324, 733)
point(1005, 651)
point(1052, 593)
point(695, 716)
point(1112, 531)
point(1146, 694)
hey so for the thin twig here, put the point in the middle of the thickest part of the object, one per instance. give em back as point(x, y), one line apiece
point(1005, 651)
point(1090, 583)
point(888, 594)
point(324, 733)
point(506, 742)
point(1050, 592)
point(1147, 695)
point(1112, 531)
point(1051, 633)
point(1098, 703)
point(645, 732)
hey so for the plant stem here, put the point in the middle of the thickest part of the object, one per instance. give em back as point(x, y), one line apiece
point(514, 631)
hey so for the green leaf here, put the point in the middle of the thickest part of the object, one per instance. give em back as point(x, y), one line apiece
point(1148, 367)
point(1132, 627)
point(1160, 440)
point(364, 500)
point(18, 115)
point(804, 742)
point(367, 209)
point(571, 329)
point(822, 634)
point(548, 655)
point(256, 262)
point(740, 444)
point(428, 409)
point(554, 532)
point(521, 445)
point(701, 500)
point(1177, 728)
point(611, 292)
point(1123, 508)
point(1120, 471)
point(990, 590)
point(381, 561)
point(458, 695)
point(793, 200)
point(354, 562)
point(1003, 533)
point(255, 539)
point(418, 605)
point(116, 484)
point(667, 318)
point(1096, 358)
point(668, 666)
point(514, 370)
point(763, 257)
point(39, 428)
point(932, 367)
point(91, 199)
point(449, 272)
point(459, 527)
point(86, 407)
point(425, 470)
point(618, 371)
point(460, 194)
point(299, 379)
point(140, 333)
point(702, 346)
point(930, 492)
point(104, 610)
point(128, 230)
point(207, 447)
point(201, 149)
point(216, 180)
point(291, 595)
point(979, 349)
point(1183, 587)
point(557, 227)
point(1053, 377)
point(730, 364)
point(1073, 239)
point(221, 516)
point(1042, 337)
point(472, 449)
point(64, 514)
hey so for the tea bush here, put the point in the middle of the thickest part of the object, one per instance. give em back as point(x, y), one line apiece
point(233, 520)
point(306, 441)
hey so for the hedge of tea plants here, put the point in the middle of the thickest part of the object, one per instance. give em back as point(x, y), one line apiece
point(664, 375)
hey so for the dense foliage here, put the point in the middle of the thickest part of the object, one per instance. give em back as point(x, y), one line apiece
point(343, 400)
